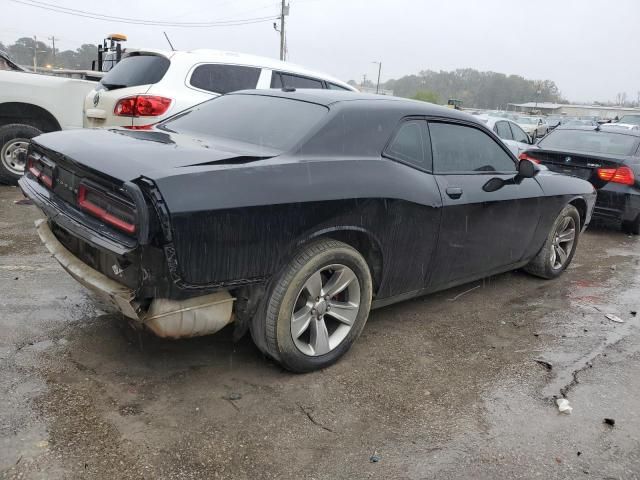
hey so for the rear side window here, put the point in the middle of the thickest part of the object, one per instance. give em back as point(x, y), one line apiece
point(221, 78)
point(282, 80)
point(411, 144)
point(503, 130)
point(461, 149)
point(136, 70)
point(275, 123)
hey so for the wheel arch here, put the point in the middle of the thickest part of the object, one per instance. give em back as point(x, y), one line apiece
point(361, 240)
point(28, 114)
point(581, 206)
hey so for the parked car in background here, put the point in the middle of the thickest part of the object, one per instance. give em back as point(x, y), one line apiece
point(535, 127)
point(607, 157)
point(553, 121)
point(509, 132)
point(147, 86)
point(630, 119)
point(298, 211)
point(30, 104)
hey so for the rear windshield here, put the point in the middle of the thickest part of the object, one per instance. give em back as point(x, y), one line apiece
point(590, 141)
point(136, 70)
point(276, 123)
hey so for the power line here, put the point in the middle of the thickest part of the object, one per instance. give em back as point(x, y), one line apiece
point(134, 21)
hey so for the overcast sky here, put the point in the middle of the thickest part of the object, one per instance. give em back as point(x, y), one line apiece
point(590, 48)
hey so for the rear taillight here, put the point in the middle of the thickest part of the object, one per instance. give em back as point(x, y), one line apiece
point(43, 171)
point(623, 175)
point(142, 106)
point(525, 156)
point(107, 208)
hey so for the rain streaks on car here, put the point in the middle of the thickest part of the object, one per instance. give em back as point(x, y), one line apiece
point(298, 211)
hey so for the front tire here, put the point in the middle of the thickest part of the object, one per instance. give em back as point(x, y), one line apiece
point(14, 142)
point(317, 306)
point(560, 246)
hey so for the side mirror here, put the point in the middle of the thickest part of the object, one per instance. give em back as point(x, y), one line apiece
point(494, 184)
point(527, 169)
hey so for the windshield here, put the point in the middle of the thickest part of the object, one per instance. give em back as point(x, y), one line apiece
point(527, 120)
point(590, 141)
point(277, 123)
point(632, 119)
point(136, 70)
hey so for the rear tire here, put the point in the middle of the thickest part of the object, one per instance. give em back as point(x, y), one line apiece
point(14, 141)
point(316, 307)
point(632, 227)
point(560, 246)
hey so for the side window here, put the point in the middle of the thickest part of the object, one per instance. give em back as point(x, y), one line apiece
point(503, 130)
point(411, 144)
point(295, 81)
point(333, 86)
point(518, 133)
point(459, 149)
point(220, 78)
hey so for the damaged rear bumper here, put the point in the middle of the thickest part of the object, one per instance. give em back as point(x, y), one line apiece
point(166, 318)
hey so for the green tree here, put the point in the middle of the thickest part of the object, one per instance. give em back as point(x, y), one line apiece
point(426, 96)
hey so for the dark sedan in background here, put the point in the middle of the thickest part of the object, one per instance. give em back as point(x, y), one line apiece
point(606, 156)
point(296, 211)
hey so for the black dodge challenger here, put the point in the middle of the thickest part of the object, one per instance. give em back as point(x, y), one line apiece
point(293, 213)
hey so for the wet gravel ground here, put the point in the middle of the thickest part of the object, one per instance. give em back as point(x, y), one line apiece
point(445, 386)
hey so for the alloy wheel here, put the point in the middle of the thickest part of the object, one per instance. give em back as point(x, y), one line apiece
point(563, 240)
point(325, 310)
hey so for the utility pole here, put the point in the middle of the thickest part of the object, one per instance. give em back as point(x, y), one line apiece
point(35, 54)
point(364, 80)
point(284, 11)
point(378, 84)
point(53, 46)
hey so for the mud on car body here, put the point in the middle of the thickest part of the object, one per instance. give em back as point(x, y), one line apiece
point(295, 213)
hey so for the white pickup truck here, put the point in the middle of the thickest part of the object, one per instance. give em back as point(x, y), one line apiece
point(31, 104)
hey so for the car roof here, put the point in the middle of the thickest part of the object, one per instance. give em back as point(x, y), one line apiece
point(236, 58)
point(331, 97)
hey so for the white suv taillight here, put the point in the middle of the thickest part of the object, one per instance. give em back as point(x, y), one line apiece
point(142, 106)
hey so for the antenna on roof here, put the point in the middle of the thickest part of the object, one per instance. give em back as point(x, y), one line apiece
point(169, 41)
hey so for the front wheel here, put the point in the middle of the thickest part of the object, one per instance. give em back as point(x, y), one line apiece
point(14, 142)
point(560, 246)
point(317, 306)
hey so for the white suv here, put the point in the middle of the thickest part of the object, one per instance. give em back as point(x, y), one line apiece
point(149, 85)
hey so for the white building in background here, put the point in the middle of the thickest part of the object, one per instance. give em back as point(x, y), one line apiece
point(573, 110)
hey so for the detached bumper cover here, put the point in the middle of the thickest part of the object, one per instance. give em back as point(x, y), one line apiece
point(119, 295)
point(166, 318)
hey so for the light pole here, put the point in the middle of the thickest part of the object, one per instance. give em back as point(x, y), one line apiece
point(379, 68)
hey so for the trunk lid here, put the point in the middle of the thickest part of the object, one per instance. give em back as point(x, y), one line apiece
point(124, 155)
point(577, 164)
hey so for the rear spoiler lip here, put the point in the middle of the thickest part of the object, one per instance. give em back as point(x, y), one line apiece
point(75, 221)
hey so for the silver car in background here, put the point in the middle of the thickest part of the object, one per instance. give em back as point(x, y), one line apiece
point(509, 132)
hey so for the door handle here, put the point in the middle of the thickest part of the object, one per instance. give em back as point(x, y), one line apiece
point(454, 192)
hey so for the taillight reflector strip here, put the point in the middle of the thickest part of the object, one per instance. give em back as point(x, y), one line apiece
point(85, 203)
point(623, 175)
point(36, 167)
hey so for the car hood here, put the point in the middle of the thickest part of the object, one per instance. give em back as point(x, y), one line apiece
point(127, 154)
